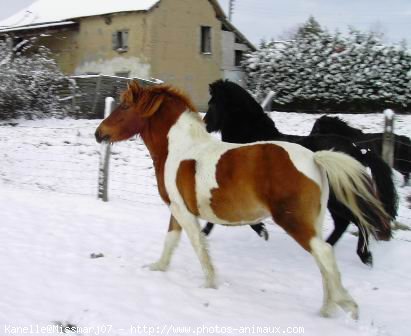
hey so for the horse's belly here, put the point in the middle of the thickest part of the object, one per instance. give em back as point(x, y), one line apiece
point(236, 211)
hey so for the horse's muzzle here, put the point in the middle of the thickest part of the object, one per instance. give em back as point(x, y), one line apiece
point(100, 137)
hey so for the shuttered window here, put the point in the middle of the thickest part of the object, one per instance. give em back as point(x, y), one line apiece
point(120, 40)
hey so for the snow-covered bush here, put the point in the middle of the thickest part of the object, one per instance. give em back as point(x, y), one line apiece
point(317, 70)
point(29, 81)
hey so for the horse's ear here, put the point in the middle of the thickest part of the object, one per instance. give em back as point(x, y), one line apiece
point(150, 103)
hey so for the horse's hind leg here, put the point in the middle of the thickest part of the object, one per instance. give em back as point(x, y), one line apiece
point(324, 256)
point(362, 247)
point(208, 228)
point(340, 226)
point(305, 226)
point(171, 242)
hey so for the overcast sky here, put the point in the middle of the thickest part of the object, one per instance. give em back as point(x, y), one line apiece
point(267, 19)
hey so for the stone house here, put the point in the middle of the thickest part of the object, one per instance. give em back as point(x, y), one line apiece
point(189, 43)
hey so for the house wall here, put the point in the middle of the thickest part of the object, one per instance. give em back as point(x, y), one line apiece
point(163, 43)
point(174, 29)
point(229, 70)
point(63, 45)
point(95, 49)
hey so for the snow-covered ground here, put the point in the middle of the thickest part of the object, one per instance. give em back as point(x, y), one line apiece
point(51, 223)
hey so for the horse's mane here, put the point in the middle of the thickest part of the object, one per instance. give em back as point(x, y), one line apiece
point(341, 125)
point(135, 93)
point(236, 100)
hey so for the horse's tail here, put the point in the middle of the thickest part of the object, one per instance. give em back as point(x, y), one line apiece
point(383, 178)
point(354, 188)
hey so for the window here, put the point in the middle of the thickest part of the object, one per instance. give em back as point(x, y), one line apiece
point(238, 57)
point(120, 40)
point(206, 39)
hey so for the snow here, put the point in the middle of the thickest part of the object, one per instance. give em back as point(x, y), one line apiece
point(51, 224)
point(46, 11)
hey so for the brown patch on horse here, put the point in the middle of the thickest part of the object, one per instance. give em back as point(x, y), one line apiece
point(258, 180)
point(186, 185)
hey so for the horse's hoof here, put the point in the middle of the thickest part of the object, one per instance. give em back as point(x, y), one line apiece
point(350, 307)
point(328, 310)
point(367, 259)
point(157, 267)
point(210, 284)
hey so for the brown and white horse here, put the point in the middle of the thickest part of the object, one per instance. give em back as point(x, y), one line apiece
point(199, 176)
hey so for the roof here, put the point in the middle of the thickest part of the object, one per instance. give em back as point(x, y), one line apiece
point(223, 18)
point(38, 26)
point(50, 11)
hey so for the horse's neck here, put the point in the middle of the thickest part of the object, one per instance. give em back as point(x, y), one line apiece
point(260, 128)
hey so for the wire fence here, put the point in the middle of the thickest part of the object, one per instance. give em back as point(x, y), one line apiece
point(64, 158)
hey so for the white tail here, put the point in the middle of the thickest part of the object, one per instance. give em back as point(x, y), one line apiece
point(349, 180)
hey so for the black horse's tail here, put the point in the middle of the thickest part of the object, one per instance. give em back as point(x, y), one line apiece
point(384, 182)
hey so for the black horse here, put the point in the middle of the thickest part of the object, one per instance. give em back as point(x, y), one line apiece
point(369, 141)
point(240, 119)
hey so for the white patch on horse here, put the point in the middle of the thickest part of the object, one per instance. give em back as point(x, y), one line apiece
point(188, 140)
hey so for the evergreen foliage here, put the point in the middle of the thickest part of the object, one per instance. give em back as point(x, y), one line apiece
point(321, 71)
point(30, 80)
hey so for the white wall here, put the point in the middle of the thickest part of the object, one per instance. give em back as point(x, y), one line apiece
point(230, 71)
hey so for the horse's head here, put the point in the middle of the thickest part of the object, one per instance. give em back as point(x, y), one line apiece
point(334, 125)
point(229, 102)
point(138, 106)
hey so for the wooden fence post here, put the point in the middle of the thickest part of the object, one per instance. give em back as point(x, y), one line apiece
point(105, 157)
point(388, 138)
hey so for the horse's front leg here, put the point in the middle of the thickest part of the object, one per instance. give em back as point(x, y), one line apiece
point(191, 226)
point(171, 242)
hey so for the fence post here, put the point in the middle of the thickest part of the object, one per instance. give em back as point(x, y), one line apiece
point(267, 102)
point(73, 96)
point(388, 138)
point(105, 157)
point(97, 94)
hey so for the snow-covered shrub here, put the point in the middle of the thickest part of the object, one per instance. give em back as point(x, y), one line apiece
point(29, 81)
point(318, 70)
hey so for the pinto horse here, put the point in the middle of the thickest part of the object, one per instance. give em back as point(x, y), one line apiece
point(199, 176)
point(368, 141)
point(240, 119)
